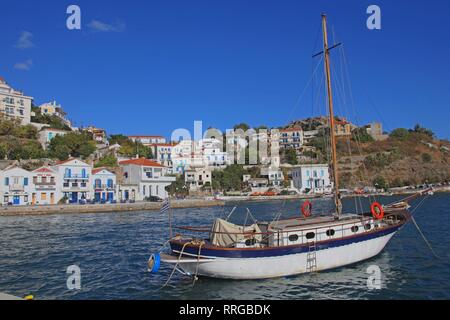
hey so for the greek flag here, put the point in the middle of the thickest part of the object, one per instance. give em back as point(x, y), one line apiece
point(165, 206)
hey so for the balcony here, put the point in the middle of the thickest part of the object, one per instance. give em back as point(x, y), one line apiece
point(104, 187)
point(76, 176)
point(74, 186)
point(44, 183)
point(16, 188)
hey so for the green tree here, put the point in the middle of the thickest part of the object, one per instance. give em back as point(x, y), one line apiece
point(424, 131)
point(426, 157)
point(380, 183)
point(107, 161)
point(291, 156)
point(400, 134)
point(178, 187)
point(118, 139)
point(361, 135)
point(229, 179)
point(242, 126)
point(73, 144)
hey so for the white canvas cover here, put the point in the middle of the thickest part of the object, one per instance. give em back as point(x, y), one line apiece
point(224, 233)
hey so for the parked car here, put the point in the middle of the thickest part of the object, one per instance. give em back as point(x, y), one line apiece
point(154, 199)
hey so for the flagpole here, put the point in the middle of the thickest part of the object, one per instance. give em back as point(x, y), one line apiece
point(170, 221)
point(170, 224)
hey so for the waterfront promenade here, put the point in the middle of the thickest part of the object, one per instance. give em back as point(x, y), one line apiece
point(94, 208)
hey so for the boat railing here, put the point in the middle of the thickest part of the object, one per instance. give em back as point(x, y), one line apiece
point(319, 231)
point(204, 229)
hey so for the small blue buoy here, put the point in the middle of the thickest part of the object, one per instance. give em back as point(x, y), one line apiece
point(154, 262)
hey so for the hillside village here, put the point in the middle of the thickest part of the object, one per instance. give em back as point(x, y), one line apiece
point(47, 160)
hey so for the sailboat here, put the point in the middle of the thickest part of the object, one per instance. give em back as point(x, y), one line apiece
point(307, 243)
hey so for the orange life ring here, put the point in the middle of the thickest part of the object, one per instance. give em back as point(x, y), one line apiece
point(306, 209)
point(377, 210)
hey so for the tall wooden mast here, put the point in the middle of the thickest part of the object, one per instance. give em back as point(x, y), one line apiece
point(330, 105)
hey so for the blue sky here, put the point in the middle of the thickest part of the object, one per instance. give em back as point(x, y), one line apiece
point(149, 67)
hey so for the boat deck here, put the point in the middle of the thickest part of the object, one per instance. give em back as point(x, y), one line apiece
point(307, 222)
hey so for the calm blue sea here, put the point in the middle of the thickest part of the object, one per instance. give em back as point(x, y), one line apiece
point(112, 251)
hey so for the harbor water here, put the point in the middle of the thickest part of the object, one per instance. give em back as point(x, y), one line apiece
point(112, 249)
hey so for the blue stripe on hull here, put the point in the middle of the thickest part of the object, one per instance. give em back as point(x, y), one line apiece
point(279, 251)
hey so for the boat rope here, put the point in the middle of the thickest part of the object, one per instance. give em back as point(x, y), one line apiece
point(424, 238)
point(418, 228)
point(176, 264)
point(201, 243)
point(229, 215)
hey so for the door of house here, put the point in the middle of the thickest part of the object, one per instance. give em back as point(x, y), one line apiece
point(16, 200)
point(74, 197)
point(52, 198)
point(33, 198)
point(127, 195)
point(97, 197)
point(110, 196)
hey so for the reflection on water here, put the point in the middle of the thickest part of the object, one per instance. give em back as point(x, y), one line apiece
point(112, 251)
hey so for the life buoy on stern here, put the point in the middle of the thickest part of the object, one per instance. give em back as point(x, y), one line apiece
point(377, 211)
point(154, 263)
point(306, 209)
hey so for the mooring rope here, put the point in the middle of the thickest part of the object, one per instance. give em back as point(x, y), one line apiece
point(176, 265)
point(201, 243)
point(418, 228)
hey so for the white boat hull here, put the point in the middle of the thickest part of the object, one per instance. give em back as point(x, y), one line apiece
point(279, 266)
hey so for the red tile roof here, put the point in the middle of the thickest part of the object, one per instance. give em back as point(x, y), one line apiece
point(44, 169)
point(142, 162)
point(94, 171)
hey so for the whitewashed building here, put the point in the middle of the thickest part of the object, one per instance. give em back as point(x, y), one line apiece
point(197, 178)
point(274, 175)
point(14, 104)
point(143, 178)
point(45, 188)
point(16, 188)
point(104, 185)
point(163, 153)
point(312, 178)
point(74, 180)
point(291, 138)
point(148, 140)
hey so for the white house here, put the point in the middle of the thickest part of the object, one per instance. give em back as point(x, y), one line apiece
point(213, 153)
point(54, 109)
point(74, 179)
point(274, 175)
point(148, 140)
point(14, 104)
point(163, 153)
point(291, 138)
point(104, 185)
point(312, 178)
point(196, 178)
point(16, 188)
point(45, 188)
point(143, 178)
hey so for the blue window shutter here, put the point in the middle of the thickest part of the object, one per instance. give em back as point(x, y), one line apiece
point(25, 181)
point(7, 181)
